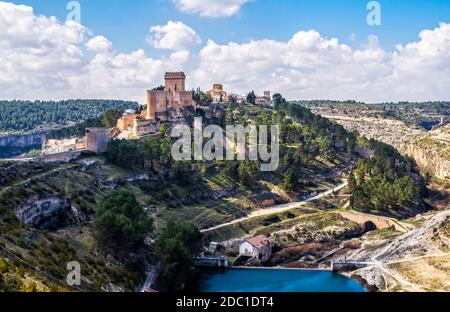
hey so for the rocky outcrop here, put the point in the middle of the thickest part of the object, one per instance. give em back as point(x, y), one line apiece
point(22, 140)
point(428, 160)
point(49, 213)
point(414, 261)
point(430, 150)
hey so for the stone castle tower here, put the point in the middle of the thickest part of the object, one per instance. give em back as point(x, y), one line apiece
point(174, 95)
point(175, 81)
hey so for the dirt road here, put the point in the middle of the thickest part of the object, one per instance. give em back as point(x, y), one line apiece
point(277, 209)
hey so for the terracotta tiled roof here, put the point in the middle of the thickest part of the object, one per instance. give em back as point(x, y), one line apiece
point(259, 241)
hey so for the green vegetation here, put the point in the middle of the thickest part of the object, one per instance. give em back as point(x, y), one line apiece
point(251, 97)
point(120, 218)
point(310, 218)
point(175, 250)
point(140, 173)
point(28, 116)
point(111, 116)
point(441, 148)
point(12, 279)
point(424, 114)
point(202, 98)
point(387, 183)
point(78, 130)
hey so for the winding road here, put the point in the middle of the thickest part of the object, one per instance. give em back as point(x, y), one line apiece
point(277, 208)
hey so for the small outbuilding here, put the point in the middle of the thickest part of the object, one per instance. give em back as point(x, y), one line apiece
point(258, 247)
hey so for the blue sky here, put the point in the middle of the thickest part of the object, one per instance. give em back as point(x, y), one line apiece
point(321, 49)
point(126, 23)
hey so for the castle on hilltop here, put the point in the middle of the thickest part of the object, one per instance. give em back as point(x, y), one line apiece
point(173, 96)
point(159, 104)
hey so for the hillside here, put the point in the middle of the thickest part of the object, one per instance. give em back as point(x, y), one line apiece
point(430, 149)
point(61, 200)
point(27, 116)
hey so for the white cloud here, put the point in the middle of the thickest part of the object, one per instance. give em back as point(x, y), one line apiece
point(210, 8)
point(42, 58)
point(174, 36)
point(309, 66)
point(35, 51)
point(99, 44)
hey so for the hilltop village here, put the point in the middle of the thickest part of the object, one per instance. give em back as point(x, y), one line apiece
point(170, 104)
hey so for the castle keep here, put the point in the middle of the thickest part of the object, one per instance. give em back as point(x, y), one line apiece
point(174, 95)
point(159, 103)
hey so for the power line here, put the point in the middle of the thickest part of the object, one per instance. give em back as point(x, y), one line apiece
point(39, 270)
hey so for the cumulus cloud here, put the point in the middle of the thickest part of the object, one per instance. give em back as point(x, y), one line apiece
point(210, 8)
point(99, 44)
point(42, 58)
point(35, 51)
point(174, 36)
point(310, 66)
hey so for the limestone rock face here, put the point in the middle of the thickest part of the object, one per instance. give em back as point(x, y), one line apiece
point(430, 150)
point(24, 140)
point(49, 213)
point(429, 160)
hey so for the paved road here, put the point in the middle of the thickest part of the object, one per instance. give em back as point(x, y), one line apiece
point(277, 209)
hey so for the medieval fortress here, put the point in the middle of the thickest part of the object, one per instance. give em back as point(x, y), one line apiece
point(160, 104)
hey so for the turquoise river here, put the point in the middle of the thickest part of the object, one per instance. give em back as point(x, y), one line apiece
point(276, 280)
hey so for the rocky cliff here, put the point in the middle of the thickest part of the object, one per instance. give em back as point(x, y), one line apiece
point(428, 159)
point(24, 140)
point(431, 150)
point(49, 213)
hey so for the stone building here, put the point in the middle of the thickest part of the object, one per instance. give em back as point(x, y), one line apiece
point(159, 103)
point(96, 140)
point(218, 94)
point(258, 247)
point(264, 100)
point(174, 96)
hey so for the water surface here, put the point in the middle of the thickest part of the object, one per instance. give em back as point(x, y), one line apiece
point(277, 280)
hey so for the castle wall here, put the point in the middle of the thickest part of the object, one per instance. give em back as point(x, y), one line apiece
point(97, 140)
point(161, 101)
point(126, 122)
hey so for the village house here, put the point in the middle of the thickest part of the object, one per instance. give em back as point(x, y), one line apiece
point(258, 247)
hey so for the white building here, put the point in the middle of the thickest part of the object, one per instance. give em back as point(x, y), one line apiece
point(258, 247)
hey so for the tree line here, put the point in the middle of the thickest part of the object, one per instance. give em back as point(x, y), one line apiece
point(28, 115)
